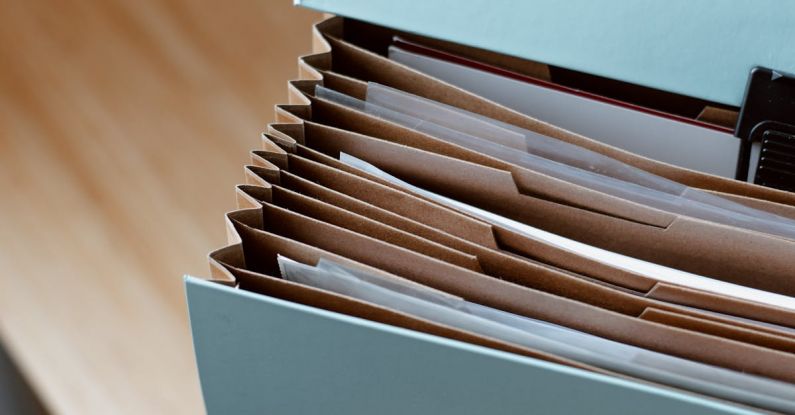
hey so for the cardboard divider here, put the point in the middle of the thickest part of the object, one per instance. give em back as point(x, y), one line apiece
point(505, 295)
point(331, 114)
point(525, 181)
point(722, 304)
point(726, 253)
point(262, 283)
point(359, 63)
point(725, 329)
point(525, 273)
point(330, 173)
point(309, 207)
point(324, 178)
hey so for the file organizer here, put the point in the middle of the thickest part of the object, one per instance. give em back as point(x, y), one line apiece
point(262, 354)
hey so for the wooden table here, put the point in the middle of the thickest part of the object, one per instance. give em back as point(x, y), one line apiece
point(124, 126)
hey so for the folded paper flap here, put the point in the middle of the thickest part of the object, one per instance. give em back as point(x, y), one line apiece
point(327, 213)
point(718, 116)
point(333, 26)
point(362, 64)
point(299, 90)
point(265, 246)
point(245, 199)
point(345, 84)
point(269, 159)
point(260, 176)
point(531, 248)
point(387, 197)
point(306, 87)
point(342, 200)
point(723, 252)
point(294, 96)
point(423, 163)
point(250, 217)
point(378, 194)
point(256, 193)
point(261, 247)
point(317, 61)
point(260, 158)
point(318, 233)
point(754, 259)
point(291, 113)
point(321, 179)
point(275, 152)
point(728, 329)
point(231, 255)
point(329, 114)
point(307, 71)
point(723, 304)
point(285, 135)
point(406, 212)
point(232, 235)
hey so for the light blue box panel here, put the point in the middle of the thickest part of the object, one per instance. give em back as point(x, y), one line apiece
point(703, 48)
point(262, 355)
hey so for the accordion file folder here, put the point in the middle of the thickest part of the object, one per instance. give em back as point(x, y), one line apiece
point(267, 345)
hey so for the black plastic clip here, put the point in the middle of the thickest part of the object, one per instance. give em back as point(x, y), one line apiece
point(766, 126)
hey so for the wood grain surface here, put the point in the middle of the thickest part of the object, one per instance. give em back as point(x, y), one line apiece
point(124, 126)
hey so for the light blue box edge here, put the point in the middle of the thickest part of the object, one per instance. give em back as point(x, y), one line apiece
point(229, 328)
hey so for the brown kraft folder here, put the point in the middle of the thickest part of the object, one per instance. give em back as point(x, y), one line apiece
point(468, 234)
point(723, 252)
